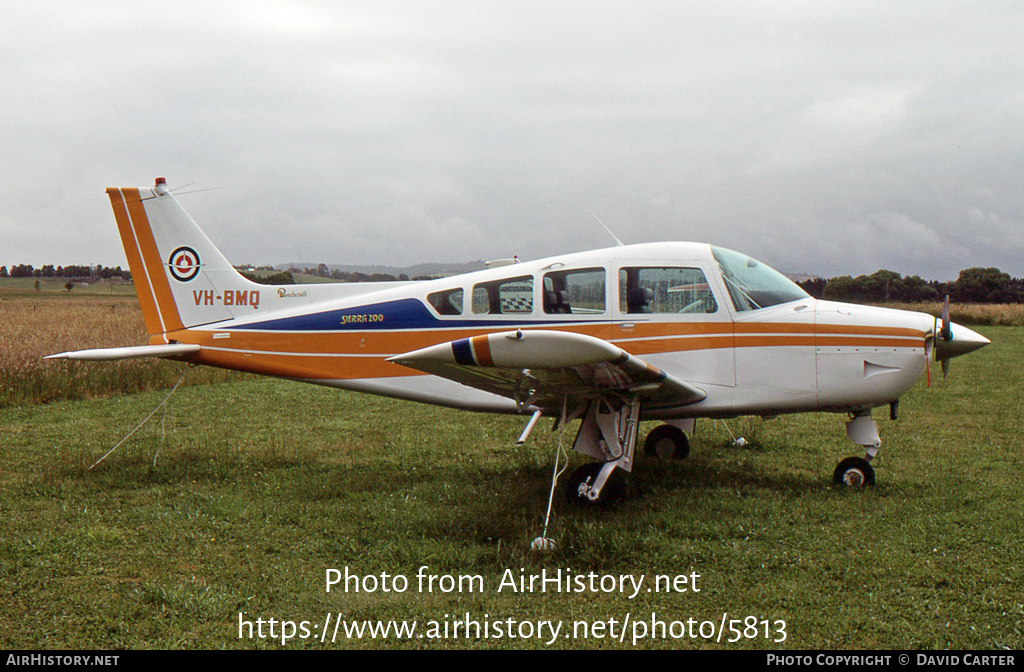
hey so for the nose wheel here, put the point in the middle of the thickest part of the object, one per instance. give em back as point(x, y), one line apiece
point(854, 472)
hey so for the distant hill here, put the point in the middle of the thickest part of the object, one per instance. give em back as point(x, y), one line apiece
point(410, 271)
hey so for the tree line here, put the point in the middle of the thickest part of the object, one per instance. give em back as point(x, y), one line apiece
point(66, 272)
point(973, 285)
point(83, 273)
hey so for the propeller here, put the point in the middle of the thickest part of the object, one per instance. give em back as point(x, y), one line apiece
point(946, 333)
point(947, 346)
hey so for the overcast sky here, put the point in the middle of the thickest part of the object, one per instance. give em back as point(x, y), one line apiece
point(820, 137)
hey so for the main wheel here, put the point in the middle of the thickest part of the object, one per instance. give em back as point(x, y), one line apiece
point(667, 442)
point(854, 472)
point(582, 480)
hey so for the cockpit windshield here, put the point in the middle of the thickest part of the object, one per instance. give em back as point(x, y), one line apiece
point(751, 284)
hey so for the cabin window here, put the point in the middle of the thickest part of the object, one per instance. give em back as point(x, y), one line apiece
point(448, 302)
point(578, 292)
point(665, 290)
point(512, 296)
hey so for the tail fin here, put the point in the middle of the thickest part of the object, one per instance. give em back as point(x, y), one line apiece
point(181, 278)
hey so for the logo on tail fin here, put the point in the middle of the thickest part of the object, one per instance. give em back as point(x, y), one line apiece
point(184, 264)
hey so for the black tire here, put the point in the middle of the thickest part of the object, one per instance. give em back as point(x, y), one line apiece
point(667, 442)
point(854, 472)
point(613, 491)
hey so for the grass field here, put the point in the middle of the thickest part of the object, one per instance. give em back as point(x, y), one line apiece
point(260, 486)
point(1005, 315)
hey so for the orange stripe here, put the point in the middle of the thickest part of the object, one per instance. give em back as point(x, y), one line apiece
point(774, 341)
point(397, 342)
point(131, 250)
point(345, 367)
point(770, 328)
point(676, 345)
point(318, 368)
point(810, 341)
point(645, 329)
point(155, 265)
point(482, 350)
point(379, 345)
point(868, 331)
point(870, 342)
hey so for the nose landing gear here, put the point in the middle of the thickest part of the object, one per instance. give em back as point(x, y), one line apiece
point(856, 472)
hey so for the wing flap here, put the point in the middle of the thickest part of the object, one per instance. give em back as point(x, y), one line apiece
point(539, 368)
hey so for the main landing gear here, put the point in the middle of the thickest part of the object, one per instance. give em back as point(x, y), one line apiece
point(856, 472)
point(667, 442)
point(609, 433)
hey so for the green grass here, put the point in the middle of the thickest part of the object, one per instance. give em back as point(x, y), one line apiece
point(262, 485)
point(24, 288)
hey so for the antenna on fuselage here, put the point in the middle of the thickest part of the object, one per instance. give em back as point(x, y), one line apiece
point(619, 242)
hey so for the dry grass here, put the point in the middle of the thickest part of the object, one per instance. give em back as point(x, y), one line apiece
point(33, 327)
point(995, 315)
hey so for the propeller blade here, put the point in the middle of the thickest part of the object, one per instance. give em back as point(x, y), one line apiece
point(947, 332)
point(928, 361)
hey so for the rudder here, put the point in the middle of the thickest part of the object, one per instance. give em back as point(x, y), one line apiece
point(181, 278)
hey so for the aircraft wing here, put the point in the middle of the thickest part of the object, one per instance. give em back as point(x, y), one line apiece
point(538, 368)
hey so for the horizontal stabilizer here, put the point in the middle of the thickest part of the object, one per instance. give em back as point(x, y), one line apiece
point(110, 354)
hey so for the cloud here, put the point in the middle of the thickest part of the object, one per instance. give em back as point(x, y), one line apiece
point(406, 132)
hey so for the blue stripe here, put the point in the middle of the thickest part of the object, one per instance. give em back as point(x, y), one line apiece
point(403, 314)
point(463, 352)
point(400, 314)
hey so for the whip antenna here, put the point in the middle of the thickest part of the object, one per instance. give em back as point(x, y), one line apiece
point(198, 191)
point(619, 242)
